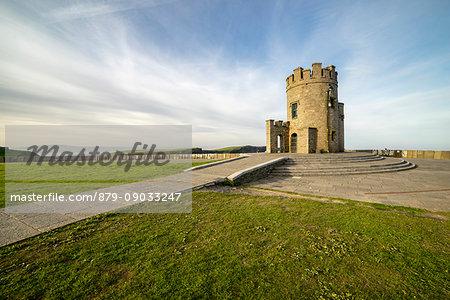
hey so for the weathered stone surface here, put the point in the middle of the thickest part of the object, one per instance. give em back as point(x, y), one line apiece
point(428, 154)
point(256, 172)
point(317, 123)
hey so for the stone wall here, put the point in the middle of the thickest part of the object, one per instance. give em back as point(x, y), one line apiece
point(273, 130)
point(256, 172)
point(341, 127)
point(429, 154)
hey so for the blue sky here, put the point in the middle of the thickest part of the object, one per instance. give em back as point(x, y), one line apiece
point(221, 66)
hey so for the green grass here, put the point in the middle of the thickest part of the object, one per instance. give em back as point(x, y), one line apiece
point(29, 173)
point(27, 179)
point(236, 246)
point(2, 185)
point(167, 151)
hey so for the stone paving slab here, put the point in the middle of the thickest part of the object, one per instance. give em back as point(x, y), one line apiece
point(14, 230)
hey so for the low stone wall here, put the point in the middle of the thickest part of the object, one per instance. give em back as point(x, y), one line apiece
point(217, 155)
point(429, 154)
point(126, 157)
point(255, 172)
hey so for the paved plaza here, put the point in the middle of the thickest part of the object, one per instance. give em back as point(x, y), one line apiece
point(427, 186)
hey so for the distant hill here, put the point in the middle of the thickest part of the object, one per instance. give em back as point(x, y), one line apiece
point(5, 151)
point(238, 149)
point(232, 149)
point(170, 151)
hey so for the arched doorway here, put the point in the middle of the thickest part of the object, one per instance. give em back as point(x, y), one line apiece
point(294, 143)
point(279, 150)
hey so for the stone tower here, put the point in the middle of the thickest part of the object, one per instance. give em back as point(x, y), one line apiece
point(315, 117)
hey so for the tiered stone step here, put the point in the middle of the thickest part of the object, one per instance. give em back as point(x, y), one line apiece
point(331, 158)
point(339, 164)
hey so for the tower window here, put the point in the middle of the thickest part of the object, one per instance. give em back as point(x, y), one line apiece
point(331, 102)
point(294, 110)
point(330, 98)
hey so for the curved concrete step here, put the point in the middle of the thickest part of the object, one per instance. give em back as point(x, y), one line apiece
point(329, 161)
point(342, 167)
point(412, 166)
point(300, 167)
point(332, 155)
point(333, 158)
point(339, 165)
point(322, 157)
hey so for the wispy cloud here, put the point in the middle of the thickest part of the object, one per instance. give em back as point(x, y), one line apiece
point(82, 10)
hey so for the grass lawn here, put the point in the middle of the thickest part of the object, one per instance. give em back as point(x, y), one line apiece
point(2, 185)
point(27, 179)
point(236, 245)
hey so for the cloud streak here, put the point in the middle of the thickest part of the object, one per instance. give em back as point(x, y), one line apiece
point(83, 10)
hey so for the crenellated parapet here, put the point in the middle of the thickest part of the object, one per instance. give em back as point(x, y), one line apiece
point(314, 75)
point(280, 123)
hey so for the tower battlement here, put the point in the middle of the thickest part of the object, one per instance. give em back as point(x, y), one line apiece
point(316, 74)
point(279, 123)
